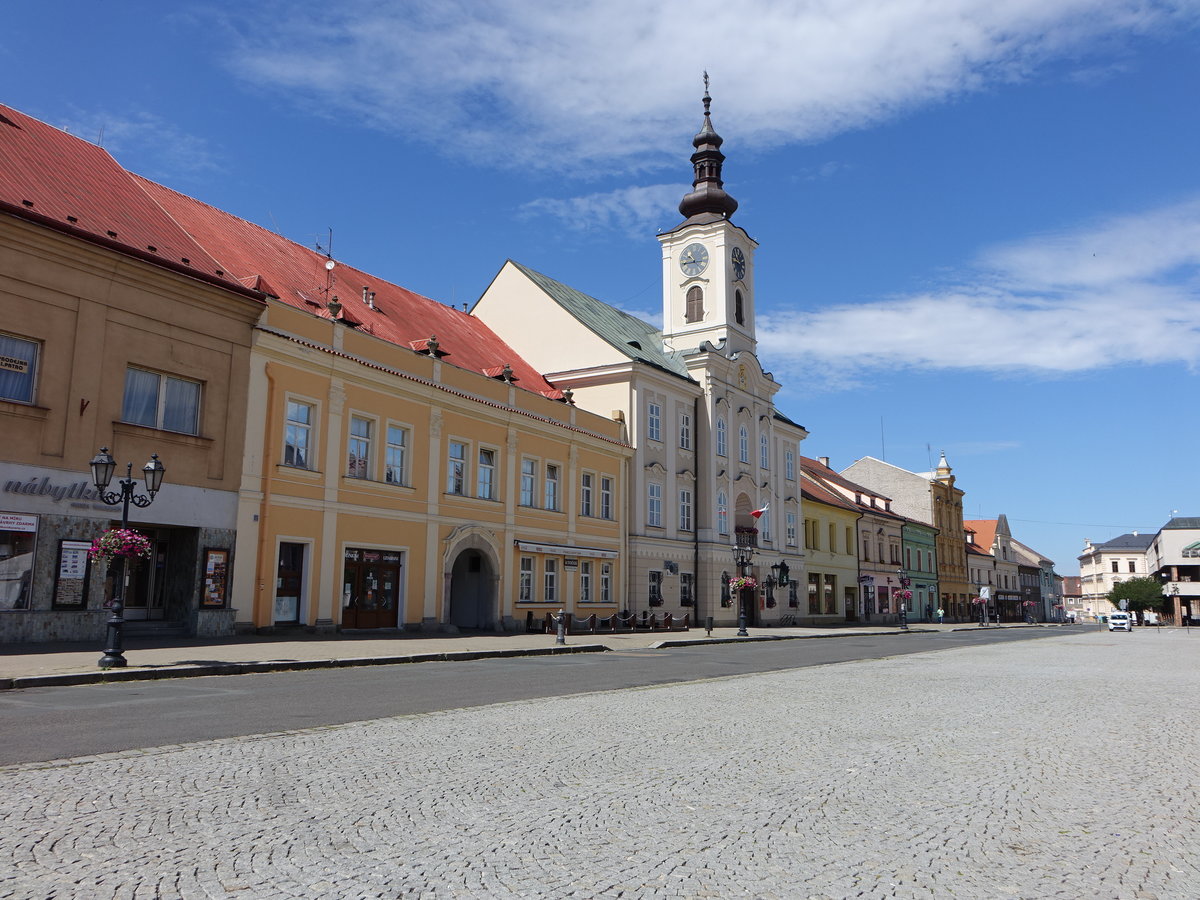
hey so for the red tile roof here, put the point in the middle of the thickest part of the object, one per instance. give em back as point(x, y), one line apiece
point(985, 532)
point(55, 179)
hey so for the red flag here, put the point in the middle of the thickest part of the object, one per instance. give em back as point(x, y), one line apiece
point(758, 512)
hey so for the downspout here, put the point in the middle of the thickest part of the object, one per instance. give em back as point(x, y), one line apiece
point(696, 523)
point(264, 514)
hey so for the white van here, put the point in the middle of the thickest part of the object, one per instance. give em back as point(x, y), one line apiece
point(1119, 621)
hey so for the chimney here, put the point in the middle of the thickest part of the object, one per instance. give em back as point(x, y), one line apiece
point(371, 300)
point(823, 460)
point(366, 291)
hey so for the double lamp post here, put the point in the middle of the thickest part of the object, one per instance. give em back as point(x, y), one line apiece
point(103, 466)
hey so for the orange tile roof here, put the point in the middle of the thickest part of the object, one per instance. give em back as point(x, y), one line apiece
point(985, 532)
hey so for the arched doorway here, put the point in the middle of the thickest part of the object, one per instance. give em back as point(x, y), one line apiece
point(472, 591)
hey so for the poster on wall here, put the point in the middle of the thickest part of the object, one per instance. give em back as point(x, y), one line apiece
point(71, 581)
point(18, 536)
point(213, 594)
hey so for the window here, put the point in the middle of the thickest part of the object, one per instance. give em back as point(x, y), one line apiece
point(585, 581)
point(722, 438)
point(1132, 565)
point(161, 401)
point(298, 434)
point(528, 482)
point(743, 444)
point(456, 468)
point(830, 595)
point(866, 547)
point(551, 487)
point(791, 529)
point(18, 368)
point(789, 465)
point(685, 431)
point(1116, 565)
point(525, 584)
point(814, 598)
point(764, 458)
point(585, 494)
point(832, 538)
point(739, 311)
point(687, 588)
point(395, 452)
point(908, 557)
point(606, 496)
point(722, 513)
point(764, 525)
point(685, 509)
point(485, 478)
point(654, 505)
point(849, 541)
point(550, 581)
point(358, 448)
point(655, 587)
point(695, 304)
point(654, 422)
point(605, 582)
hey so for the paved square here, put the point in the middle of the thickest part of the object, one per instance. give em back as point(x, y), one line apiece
point(1061, 768)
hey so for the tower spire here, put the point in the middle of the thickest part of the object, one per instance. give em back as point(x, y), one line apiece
point(708, 193)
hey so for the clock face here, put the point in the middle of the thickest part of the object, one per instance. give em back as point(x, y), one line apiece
point(739, 263)
point(694, 259)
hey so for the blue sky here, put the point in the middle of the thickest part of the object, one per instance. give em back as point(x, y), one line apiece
point(979, 222)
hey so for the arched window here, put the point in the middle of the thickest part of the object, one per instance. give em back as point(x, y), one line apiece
point(722, 438)
point(722, 513)
point(695, 304)
point(743, 444)
point(764, 456)
point(739, 311)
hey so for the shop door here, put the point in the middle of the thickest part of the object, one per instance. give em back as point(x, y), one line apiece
point(146, 586)
point(471, 589)
point(371, 588)
point(288, 583)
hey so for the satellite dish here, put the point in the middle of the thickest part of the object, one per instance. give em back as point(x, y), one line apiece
point(330, 264)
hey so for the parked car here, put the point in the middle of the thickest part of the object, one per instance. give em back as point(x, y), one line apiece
point(1119, 621)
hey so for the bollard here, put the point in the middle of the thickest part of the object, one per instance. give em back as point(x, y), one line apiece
point(561, 638)
point(708, 626)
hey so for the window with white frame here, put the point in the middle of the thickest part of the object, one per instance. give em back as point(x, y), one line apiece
point(687, 588)
point(743, 444)
point(654, 504)
point(396, 455)
point(722, 513)
point(485, 475)
point(791, 529)
point(551, 486)
point(685, 509)
point(550, 581)
point(654, 586)
point(685, 431)
point(298, 434)
point(764, 457)
point(606, 497)
point(605, 582)
point(528, 482)
point(789, 464)
point(653, 421)
point(722, 438)
point(585, 493)
point(585, 581)
point(764, 525)
point(161, 401)
point(456, 468)
point(525, 582)
point(358, 448)
point(18, 368)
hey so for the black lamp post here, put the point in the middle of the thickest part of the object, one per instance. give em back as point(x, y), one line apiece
point(982, 605)
point(901, 600)
point(103, 466)
point(743, 555)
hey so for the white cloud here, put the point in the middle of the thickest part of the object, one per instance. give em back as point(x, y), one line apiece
point(545, 84)
point(1125, 291)
point(631, 209)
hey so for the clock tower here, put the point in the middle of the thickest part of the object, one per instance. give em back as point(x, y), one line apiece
point(708, 262)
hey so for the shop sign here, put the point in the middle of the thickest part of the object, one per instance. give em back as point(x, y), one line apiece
point(43, 487)
point(13, 364)
point(14, 522)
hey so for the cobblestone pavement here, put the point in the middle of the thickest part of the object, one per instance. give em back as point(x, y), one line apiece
point(934, 775)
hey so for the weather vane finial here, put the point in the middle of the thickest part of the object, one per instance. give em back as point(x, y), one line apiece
point(706, 81)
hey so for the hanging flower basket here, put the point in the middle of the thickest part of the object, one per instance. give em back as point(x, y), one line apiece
point(742, 582)
point(979, 601)
point(902, 595)
point(1029, 603)
point(120, 543)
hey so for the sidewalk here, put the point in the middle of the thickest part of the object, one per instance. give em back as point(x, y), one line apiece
point(43, 665)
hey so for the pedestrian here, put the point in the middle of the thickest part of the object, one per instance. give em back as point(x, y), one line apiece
point(941, 612)
point(928, 613)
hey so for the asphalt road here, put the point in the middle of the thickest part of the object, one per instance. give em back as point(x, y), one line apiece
point(55, 723)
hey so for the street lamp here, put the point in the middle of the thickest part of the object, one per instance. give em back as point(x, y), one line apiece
point(902, 595)
point(743, 555)
point(981, 603)
point(103, 466)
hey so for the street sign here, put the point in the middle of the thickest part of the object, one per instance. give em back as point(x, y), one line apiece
point(1124, 604)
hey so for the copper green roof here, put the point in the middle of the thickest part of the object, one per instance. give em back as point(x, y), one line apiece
point(636, 339)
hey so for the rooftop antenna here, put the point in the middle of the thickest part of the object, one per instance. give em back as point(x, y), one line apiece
point(100, 137)
point(929, 456)
point(328, 248)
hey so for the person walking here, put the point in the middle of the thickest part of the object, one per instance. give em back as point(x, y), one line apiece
point(940, 614)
